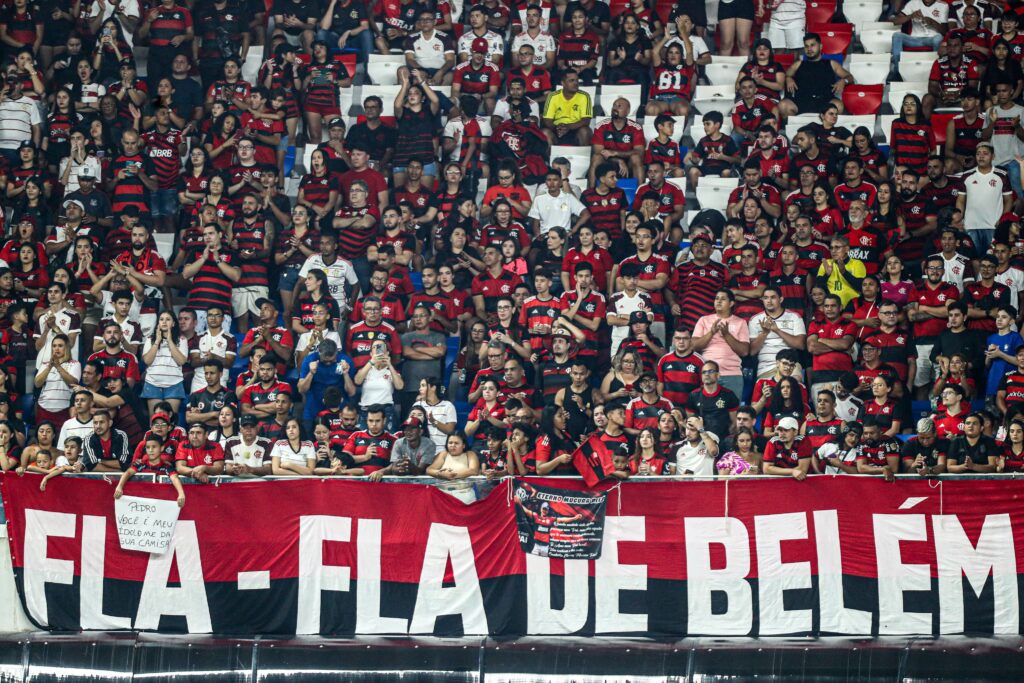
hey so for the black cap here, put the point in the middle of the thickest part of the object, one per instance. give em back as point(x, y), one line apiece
point(26, 143)
point(638, 317)
point(336, 122)
point(264, 300)
point(249, 421)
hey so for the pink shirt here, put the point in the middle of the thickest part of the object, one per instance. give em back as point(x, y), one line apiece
point(718, 349)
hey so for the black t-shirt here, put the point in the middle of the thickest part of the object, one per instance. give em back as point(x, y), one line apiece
point(959, 450)
point(714, 409)
point(347, 16)
point(187, 96)
point(599, 14)
point(376, 141)
point(206, 402)
point(301, 10)
point(913, 448)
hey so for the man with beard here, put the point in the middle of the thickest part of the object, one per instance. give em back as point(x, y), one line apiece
point(810, 155)
point(268, 334)
point(695, 283)
point(986, 196)
point(867, 243)
point(106, 449)
point(949, 77)
point(149, 268)
point(520, 141)
point(553, 374)
point(671, 200)
point(259, 399)
point(199, 458)
point(392, 309)
point(371, 448)
point(696, 453)
point(679, 370)
point(917, 218)
point(253, 238)
point(771, 161)
point(213, 273)
point(973, 451)
point(824, 425)
point(925, 453)
point(115, 360)
point(879, 454)
point(927, 311)
point(620, 141)
point(854, 187)
point(941, 189)
point(205, 406)
point(985, 296)
point(754, 185)
point(813, 82)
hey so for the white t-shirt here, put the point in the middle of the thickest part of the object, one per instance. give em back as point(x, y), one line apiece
point(696, 459)
point(216, 346)
point(304, 338)
point(164, 371)
point(378, 387)
point(56, 394)
point(984, 194)
point(254, 455)
point(937, 11)
point(555, 211)
point(67, 321)
point(283, 450)
point(129, 7)
point(495, 45)
point(429, 52)
point(338, 274)
point(501, 109)
point(789, 322)
point(622, 304)
point(699, 46)
point(542, 44)
point(83, 430)
point(443, 412)
point(831, 450)
point(1005, 143)
point(1014, 279)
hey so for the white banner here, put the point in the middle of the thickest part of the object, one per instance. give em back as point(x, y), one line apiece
point(145, 524)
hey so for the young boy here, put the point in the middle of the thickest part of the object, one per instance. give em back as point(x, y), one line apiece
point(152, 462)
point(663, 147)
point(716, 152)
point(43, 464)
point(66, 463)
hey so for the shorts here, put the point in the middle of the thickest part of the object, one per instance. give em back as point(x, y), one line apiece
point(293, 40)
point(669, 98)
point(164, 203)
point(737, 9)
point(93, 315)
point(786, 37)
point(243, 299)
point(288, 277)
point(324, 109)
point(428, 169)
point(201, 325)
point(172, 393)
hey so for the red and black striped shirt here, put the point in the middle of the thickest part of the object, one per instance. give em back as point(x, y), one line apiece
point(680, 376)
point(251, 236)
point(169, 23)
point(210, 286)
point(606, 209)
point(163, 151)
point(129, 191)
point(911, 143)
point(352, 241)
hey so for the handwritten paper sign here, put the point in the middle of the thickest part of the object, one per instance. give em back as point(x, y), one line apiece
point(145, 524)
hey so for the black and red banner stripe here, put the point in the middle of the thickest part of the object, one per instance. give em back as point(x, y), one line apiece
point(842, 555)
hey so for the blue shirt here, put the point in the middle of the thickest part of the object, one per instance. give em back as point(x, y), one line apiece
point(1008, 344)
point(327, 375)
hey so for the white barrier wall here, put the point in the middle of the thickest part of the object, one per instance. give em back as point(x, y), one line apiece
point(12, 616)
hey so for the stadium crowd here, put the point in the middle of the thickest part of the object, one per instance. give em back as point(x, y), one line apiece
point(431, 288)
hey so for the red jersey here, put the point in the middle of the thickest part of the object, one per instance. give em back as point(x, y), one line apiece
point(193, 456)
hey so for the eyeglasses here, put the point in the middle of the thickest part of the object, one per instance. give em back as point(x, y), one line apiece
point(709, 372)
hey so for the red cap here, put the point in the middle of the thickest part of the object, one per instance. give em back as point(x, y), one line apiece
point(480, 45)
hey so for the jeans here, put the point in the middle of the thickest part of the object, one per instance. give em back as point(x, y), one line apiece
point(363, 42)
point(902, 40)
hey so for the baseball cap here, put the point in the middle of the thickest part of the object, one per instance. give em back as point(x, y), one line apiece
point(480, 45)
point(788, 423)
point(336, 122)
point(412, 422)
point(248, 421)
point(86, 174)
point(25, 143)
point(638, 317)
point(561, 332)
point(701, 237)
point(74, 202)
point(264, 300)
point(160, 416)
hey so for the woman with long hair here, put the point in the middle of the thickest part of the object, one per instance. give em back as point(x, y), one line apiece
point(61, 121)
point(620, 383)
point(673, 80)
point(456, 461)
point(744, 458)
point(863, 311)
point(321, 79)
point(876, 163)
point(768, 74)
point(293, 246)
point(1012, 457)
point(628, 55)
point(885, 217)
point(489, 409)
point(222, 141)
point(464, 260)
point(10, 451)
point(110, 52)
point(45, 437)
point(317, 190)
point(587, 250)
point(195, 180)
point(316, 292)
point(669, 433)
point(74, 297)
point(1003, 67)
point(828, 219)
point(227, 425)
point(551, 255)
point(645, 460)
point(85, 90)
point(165, 352)
point(416, 110)
point(292, 456)
point(786, 401)
point(29, 166)
point(911, 138)
point(556, 446)
point(839, 456)
point(32, 206)
point(467, 362)
point(883, 406)
point(30, 277)
point(282, 73)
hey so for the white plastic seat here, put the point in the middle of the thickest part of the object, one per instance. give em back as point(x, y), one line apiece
point(877, 40)
point(251, 66)
point(885, 125)
point(898, 89)
point(711, 196)
point(383, 73)
point(387, 94)
point(916, 66)
point(579, 158)
point(697, 128)
point(610, 93)
point(678, 182)
point(860, 11)
point(721, 73)
point(718, 181)
point(869, 69)
point(714, 98)
point(737, 60)
point(164, 245)
point(854, 122)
